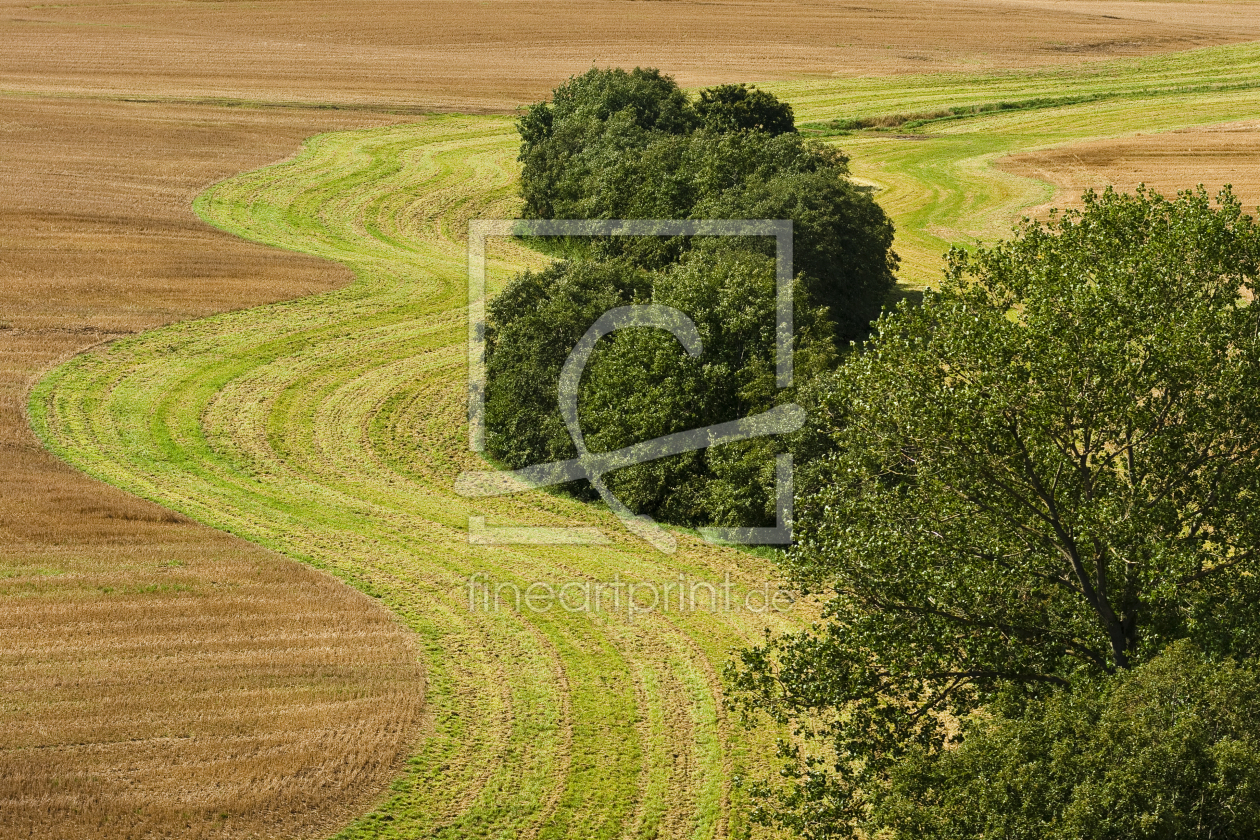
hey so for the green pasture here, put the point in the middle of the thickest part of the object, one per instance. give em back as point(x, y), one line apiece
point(332, 428)
point(937, 180)
point(1227, 68)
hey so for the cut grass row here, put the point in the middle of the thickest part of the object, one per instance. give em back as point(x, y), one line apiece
point(820, 101)
point(938, 183)
point(332, 428)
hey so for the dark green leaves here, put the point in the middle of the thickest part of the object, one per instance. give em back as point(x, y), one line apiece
point(1169, 750)
point(640, 384)
point(1047, 472)
point(613, 144)
point(617, 145)
point(729, 108)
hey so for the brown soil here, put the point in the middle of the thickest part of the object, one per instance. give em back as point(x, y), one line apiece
point(160, 678)
point(1176, 160)
point(474, 55)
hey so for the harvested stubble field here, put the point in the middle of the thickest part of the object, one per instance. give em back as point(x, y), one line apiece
point(159, 676)
point(331, 425)
point(475, 55)
point(1213, 155)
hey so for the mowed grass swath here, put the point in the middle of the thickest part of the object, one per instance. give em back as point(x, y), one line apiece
point(332, 428)
point(938, 180)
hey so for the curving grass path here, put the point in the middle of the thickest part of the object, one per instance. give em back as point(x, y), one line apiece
point(332, 428)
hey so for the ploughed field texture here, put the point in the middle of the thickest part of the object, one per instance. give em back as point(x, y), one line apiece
point(158, 677)
point(332, 428)
point(474, 55)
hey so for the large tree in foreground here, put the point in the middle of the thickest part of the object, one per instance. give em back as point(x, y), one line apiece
point(1044, 474)
point(1169, 750)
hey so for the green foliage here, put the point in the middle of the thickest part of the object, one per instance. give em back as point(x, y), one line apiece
point(618, 145)
point(1169, 750)
point(531, 327)
point(640, 384)
point(1046, 472)
point(640, 104)
point(842, 238)
point(598, 151)
point(653, 101)
point(743, 108)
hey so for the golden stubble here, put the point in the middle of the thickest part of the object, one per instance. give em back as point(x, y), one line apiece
point(159, 677)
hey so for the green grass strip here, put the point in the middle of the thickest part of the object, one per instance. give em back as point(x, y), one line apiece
point(331, 428)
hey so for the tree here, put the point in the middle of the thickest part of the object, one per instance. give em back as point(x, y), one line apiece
point(638, 106)
point(613, 144)
point(1046, 472)
point(618, 145)
point(531, 327)
point(743, 108)
point(1170, 749)
point(653, 100)
point(640, 384)
point(644, 103)
point(842, 238)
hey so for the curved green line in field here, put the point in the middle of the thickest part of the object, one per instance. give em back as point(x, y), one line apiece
point(1190, 72)
point(331, 428)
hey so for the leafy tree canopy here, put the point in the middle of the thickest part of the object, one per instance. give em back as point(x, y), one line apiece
point(612, 144)
point(842, 239)
point(743, 108)
point(1047, 472)
point(1170, 749)
point(640, 105)
point(602, 150)
point(640, 384)
point(651, 101)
